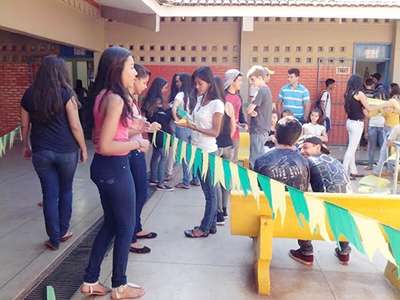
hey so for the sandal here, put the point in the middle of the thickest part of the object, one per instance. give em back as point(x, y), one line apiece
point(143, 250)
point(49, 245)
point(195, 233)
point(94, 289)
point(66, 236)
point(127, 291)
point(150, 235)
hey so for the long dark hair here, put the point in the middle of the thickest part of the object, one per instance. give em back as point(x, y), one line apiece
point(142, 71)
point(154, 93)
point(51, 78)
point(205, 74)
point(174, 88)
point(187, 90)
point(219, 83)
point(354, 85)
point(109, 75)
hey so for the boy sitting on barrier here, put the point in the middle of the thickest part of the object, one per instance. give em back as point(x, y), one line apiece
point(284, 163)
point(326, 175)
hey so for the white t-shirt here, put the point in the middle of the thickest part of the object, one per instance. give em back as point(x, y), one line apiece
point(310, 129)
point(326, 103)
point(178, 101)
point(377, 121)
point(202, 118)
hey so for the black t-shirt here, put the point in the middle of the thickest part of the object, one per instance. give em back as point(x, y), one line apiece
point(54, 135)
point(327, 174)
point(163, 117)
point(285, 165)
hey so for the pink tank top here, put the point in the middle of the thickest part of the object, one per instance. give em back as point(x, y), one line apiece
point(122, 133)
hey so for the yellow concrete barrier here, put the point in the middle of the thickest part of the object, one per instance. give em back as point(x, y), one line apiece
point(247, 220)
point(244, 149)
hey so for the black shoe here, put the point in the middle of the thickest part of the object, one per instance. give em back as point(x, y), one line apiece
point(220, 219)
point(143, 250)
point(225, 212)
point(195, 182)
point(213, 230)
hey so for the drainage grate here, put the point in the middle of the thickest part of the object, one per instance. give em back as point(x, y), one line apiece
point(66, 278)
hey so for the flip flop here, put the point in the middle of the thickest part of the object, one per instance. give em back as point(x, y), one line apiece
point(66, 236)
point(150, 235)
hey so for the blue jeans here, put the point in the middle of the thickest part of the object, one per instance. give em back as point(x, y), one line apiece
point(113, 178)
point(56, 173)
point(185, 134)
point(139, 172)
point(383, 153)
point(257, 142)
point(157, 165)
point(376, 138)
point(209, 220)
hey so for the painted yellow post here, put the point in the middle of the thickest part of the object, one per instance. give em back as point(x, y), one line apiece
point(264, 254)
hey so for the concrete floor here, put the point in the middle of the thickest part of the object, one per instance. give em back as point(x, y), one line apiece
point(219, 267)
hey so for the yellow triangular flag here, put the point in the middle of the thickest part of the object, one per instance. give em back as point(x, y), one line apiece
point(317, 212)
point(174, 146)
point(278, 199)
point(254, 187)
point(191, 161)
point(154, 138)
point(219, 172)
point(204, 169)
point(167, 144)
point(235, 177)
point(184, 145)
point(372, 237)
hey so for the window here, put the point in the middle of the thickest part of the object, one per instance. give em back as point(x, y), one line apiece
point(224, 59)
point(204, 19)
point(309, 60)
point(265, 59)
point(203, 59)
point(214, 19)
point(152, 47)
point(224, 48)
point(266, 19)
point(173, 19)
point(141, 58)
point(235, 48)
point(162, 48)
point(162, 59)
point(203, 48)
point(299, 19)
point(151, 58)
point(162, 19)
point(254, 60)
point(287, 49)
point(172, 48)
point(298, 60)
point(109, 46)
point(214, 59)
point(193, 59)
point(310, 19)
point(331, 60)
point(235, 19)
point(172, 59)
point(255, 48)
point(266, 49)
point(276, 49)
point(333, 20)
point(131, 47)
point(298, 49)
point(365, 20)
point(183, 48)
point(23, 48)
point(354, 20)
point(235, 59)
point(256, 19)
point(193, 19)
point(320, 49)
point(331, 49)
point(342, 49)
point(141, 48)
point(287, 60)
point(289, 19)
point(277, 19)
point(276, 60)
point(343, 20)
point(309, 49)
point(183, 59)
point(193, 48)
point(322, 20)
point(376, 20)
point(214, 48)
point(225, 19)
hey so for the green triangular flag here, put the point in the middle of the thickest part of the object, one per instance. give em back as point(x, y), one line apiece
point(227, 174)
point(198, 161)
point(244, 180)
point(154, 138)
point(299, 204)
point(394, 242)
point(265, 185)
point(211, 168)
point(188, 153)
point(178, 156)
point(342, 223)
point(182, 113)
point(12, 137)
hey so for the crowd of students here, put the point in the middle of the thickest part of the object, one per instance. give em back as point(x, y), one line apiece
point(287, 143)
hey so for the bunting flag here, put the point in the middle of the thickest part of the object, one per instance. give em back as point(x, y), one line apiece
point(8, 140)
point(366, 234)
point(154, 141)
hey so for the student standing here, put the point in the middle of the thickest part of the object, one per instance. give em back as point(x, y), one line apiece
point(110, 171)
point(207, 120)
point(49, 111)
point(295, 96)
point(324, 104)
point(259, 111)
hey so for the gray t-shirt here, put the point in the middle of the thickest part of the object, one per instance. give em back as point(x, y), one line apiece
point(262, 122)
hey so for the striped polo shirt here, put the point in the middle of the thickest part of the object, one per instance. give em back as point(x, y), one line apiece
point(294, 99)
